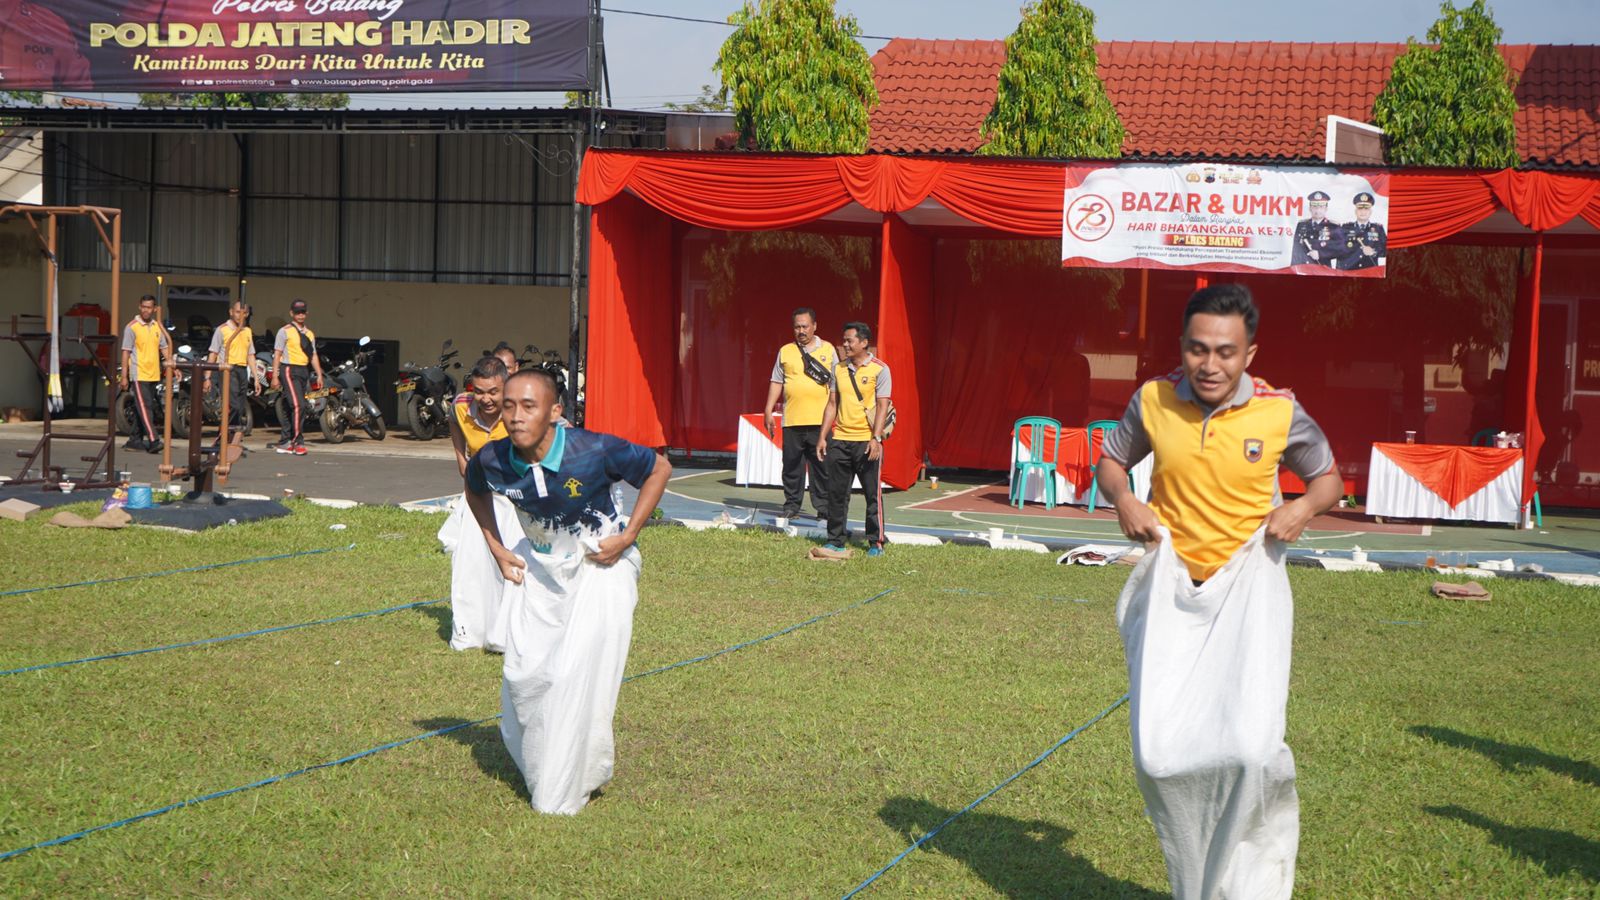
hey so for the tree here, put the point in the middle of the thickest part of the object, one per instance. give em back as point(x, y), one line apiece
point(710, 100)
point(1050, 100)
point(797, 77)
point(253, 101)
point(1451, 104)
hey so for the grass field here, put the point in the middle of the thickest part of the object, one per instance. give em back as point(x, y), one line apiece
point(1444, 750)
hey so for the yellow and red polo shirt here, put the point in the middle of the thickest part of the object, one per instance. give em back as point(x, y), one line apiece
point(143, 341)
point(1216, 470)
point(472, 425)
point(853, 416)
point(803, 398)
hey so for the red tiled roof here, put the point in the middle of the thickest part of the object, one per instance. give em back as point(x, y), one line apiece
point(1257, 99)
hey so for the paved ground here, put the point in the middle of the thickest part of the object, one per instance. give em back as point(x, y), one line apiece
point(401, 470)
point(395, 470)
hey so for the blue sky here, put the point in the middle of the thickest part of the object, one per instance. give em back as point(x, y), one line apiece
point(653, 58)
point(654, 61)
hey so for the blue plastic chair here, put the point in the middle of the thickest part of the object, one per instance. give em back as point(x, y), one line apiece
point(1039, 429)
point(1106, 426)
point(1485, 438)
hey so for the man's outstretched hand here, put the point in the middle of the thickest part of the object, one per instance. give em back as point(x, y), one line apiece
point(1137, 520)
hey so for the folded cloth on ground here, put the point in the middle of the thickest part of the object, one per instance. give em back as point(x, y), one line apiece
point(1208, 672)
point(1471, 590)
point(1094, 554)
point(111, 518)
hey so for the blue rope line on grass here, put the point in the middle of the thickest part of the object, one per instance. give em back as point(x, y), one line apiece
point(986, 795)
point(217, 640)
point(149, 814)
point(811, 621)
point(221, 565)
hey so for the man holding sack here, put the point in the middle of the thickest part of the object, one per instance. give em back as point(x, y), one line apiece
point(1206, 618)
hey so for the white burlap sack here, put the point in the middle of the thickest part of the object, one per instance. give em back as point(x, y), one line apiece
point(1208, 671)
point(478, 595)
point(566, 645)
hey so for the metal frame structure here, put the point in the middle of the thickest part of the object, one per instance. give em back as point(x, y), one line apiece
point(102, 217)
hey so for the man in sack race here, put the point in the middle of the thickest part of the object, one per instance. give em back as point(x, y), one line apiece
point(1206, 617)
point(573, 556)
point(477, 591)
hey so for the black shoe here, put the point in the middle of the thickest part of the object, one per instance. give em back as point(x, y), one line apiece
point(134, 444)
point(154, 447)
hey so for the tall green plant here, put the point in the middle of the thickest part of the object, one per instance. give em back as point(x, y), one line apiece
point(797, 77)
point(1451, 104)
point(1051, 101)
point(251, 101)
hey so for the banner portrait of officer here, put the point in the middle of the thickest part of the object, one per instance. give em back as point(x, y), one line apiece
point(1318, 240)
point(1366, 242)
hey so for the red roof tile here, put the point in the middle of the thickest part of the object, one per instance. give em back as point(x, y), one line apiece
point(1257, 99)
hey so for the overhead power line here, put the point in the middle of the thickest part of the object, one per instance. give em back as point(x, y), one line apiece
point(653, 15)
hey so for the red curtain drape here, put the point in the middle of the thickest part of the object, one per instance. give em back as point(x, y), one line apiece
point(637, 357)
point(632, 330)
point(905, 325)
point(1522, 370)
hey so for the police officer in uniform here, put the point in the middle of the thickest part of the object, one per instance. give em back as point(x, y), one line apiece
point(233, 345)
point(1366, 242)
point(1317, 240)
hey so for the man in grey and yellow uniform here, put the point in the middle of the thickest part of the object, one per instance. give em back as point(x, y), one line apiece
point(852, 437)
point(1219, 437)
point(801, 377)
point(145, 350)
point(294, 358)
point(1366, 242)
point(233, 345)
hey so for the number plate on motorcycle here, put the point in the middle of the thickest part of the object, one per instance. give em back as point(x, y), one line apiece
point(316, 395)
point(402, 388)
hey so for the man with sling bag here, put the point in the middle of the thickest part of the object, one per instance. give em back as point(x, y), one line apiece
point(801, 376)
point(294, 357)
point(853, 428)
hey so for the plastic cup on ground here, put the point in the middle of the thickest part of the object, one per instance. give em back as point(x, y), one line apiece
point(996, 535)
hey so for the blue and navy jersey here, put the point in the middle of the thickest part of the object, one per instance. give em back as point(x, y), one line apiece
point(570, 489)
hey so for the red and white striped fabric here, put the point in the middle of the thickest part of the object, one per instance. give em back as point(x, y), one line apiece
point(1429, 481)
point(760, 456)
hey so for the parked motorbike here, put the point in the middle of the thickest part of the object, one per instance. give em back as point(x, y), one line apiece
point(127, 411)
point(347, 403)
point(425, 395)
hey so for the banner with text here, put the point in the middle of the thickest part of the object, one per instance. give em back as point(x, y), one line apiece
point(204, 46)
point(1227, 218)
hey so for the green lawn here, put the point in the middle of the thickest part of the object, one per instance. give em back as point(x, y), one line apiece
point(1444, 750)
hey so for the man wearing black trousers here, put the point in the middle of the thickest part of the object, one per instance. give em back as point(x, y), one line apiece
point(852, 438)
point(801, 377)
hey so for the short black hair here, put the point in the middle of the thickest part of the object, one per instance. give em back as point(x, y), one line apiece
point(1224, 300)
point(488, 367)
point(541, 375)
point(804, 311)
point(150, 297)
point(863, 330)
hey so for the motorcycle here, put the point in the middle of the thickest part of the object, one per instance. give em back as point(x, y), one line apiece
point(127, 410)
point(425, 394)
point(346, 402)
